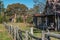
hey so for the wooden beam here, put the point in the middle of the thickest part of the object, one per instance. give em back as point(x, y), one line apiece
point(53, 35)
point(58, 23)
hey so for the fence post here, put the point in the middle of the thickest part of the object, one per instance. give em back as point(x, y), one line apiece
point(8, 28)
point(17, 34)
point(43, 35)
point(26, 35)
point(31, 31)
point(14, 33)
point(11, 29)
point(47, 37)
point(20, 34)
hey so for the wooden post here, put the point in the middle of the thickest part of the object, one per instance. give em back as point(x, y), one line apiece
point(17, 34)
point(20, 35)
point(43, 35)
point(58, 23)
point(46, 21)
point(47, 37)
point(11, 30)
point(8, 29)
point(26, 35)
point(14, 33)
point(31, 30)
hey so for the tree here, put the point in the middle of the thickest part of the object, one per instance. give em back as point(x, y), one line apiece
point(17, 8)
point(36, 9)
point(1, 7)
point(41, 5)
point(33, 10)
point(30, 11)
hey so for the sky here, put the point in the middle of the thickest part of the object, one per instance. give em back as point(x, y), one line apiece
point(28, 3)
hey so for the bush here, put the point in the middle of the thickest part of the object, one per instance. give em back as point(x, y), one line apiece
point(1, 19)
point(29, 19)
point(19, 19)
point(6, 18)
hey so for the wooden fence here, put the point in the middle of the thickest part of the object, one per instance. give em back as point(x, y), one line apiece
point(18, 34)
point(47, 35)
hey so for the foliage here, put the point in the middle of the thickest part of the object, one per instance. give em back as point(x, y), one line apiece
point(2, 9)
point(16, 8)
point(29, 19)
point(30, 11)
point(33, 10)
point(1, 6)
point(19, 19)
point(1, 19)
point(6, 18)
point(36, 9)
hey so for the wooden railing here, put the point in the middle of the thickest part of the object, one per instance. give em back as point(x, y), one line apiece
point(47, 35)
point(18, 34)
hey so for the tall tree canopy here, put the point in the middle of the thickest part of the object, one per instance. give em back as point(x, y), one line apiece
point(16, 8)
point(36, 8)
point(33, 10)
point(1, 7)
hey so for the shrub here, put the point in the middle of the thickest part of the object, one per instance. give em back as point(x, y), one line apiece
point(19, 19)
point(29, 19)
point(1, 19)
point(6, 19)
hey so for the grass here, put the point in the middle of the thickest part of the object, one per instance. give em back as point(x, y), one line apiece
point(22, 26)
point(4, 34)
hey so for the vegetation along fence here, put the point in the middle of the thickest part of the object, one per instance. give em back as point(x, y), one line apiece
point(18, 34)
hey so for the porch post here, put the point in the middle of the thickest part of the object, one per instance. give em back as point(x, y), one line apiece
point(55, 23)
point(46, 20)
point(58, 23)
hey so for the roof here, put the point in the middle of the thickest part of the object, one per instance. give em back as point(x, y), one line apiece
point(42, 15)
point(38, 14)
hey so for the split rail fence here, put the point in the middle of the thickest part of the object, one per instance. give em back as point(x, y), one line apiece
point(18, 34)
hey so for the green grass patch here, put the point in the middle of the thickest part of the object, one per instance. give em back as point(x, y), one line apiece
point(4, 34)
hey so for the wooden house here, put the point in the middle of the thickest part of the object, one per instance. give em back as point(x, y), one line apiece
point(51, 18)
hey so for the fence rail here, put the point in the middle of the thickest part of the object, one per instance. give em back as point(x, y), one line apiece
point(18, 34)
point(33, 37)
point(47, 35)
